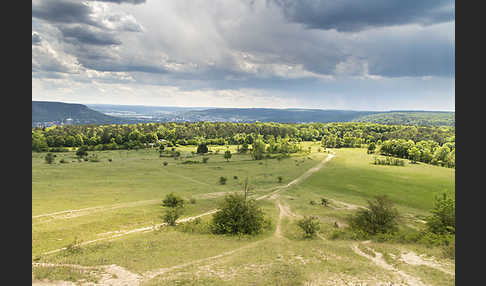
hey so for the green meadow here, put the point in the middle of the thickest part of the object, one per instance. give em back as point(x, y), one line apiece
point(113, 208)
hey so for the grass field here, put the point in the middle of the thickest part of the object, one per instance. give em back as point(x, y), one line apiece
point(96, 201)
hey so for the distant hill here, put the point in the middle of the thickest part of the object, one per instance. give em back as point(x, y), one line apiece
point(274, 115)
point(428, 118)
point(47, 113)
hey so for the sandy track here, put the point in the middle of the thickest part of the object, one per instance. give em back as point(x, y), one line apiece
point(378, 260)
point(413, 259)
point(80, 212)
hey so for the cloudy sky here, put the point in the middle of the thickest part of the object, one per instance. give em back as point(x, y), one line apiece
point(328, 54)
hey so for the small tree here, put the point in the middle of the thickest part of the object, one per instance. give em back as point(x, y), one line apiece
point(222, 180)
point(238, 216)
point(171, 215)
point(310, 225)
point(380, 217)
point(280, 179)
point(324, 202)
point(227, 155)
point(49, 158)
point(172, 201)
point(443, 219)
point(202, 148)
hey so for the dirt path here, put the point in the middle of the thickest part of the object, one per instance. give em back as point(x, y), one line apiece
point(413, 259)
point(378, 260)
point(153, 227)
point(85, 211)
point(301, 177)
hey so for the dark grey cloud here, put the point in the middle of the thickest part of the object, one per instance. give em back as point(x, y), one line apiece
point(86, 35)
point(357, 15)
point(62, 11)
point(36, 39)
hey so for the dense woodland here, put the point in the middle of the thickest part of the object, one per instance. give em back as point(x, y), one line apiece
point(435, 145)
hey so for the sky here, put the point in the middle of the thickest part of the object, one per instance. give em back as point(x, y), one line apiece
point(325, 54)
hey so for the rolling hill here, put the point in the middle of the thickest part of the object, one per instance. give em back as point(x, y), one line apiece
point(46, 112)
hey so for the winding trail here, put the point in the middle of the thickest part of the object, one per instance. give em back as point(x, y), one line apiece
point(378, 260)
point(154, 227)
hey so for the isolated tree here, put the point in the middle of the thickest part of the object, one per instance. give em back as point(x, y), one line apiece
point(171, 200)
point(227, 155)
point(238, 216)
point(202, 148)
point(258, 149)
point(380, 217)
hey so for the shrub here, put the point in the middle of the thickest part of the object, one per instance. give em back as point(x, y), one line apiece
point(324, 202)
point(380, 217)
point(222, 180)
point(192, 201)
point(227, 155)
point(63, 161)
point(165, 163)
point(49, 158)
point(235, 177)
point(110, 160)
point(443, 219)
point(312, 202)
point(205, 159)
point(310, 225)
point(171, 215)
point(280, 179)
point(202, 148)
point(238, 216)
point(173, 201)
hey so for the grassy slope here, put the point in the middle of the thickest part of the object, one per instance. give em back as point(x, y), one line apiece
point(290, 260)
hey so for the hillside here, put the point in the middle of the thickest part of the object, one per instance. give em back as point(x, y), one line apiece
point(274, 115)
point(45, 112)
point(428, 118)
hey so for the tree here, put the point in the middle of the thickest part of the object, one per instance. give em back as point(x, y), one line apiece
point(171, 215)
point(258, 149)
point(222, 180)
point(443, 219)
point(380, 217)
point(238, 216)
point(227, 155)
point(414, 154)
point(202, 148)
point(171, 200)
point(49, 158)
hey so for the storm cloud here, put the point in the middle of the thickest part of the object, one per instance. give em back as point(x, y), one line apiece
point(347, 51)
point(357, 15)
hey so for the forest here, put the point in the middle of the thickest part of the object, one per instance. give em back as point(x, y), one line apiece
point(428, 144)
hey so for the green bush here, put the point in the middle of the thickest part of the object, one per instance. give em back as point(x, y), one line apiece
point(173, 201)
point(222, 180)
point(202, 148)
point(310, 225)
point(238, 216)
point(165, 163)
point(192, 201)
point(443, 219)
point(380, 217)
point(280, 179)
point(171, 215)
point(205, 159)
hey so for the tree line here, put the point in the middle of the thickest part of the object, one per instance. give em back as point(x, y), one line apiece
point(419, 143)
